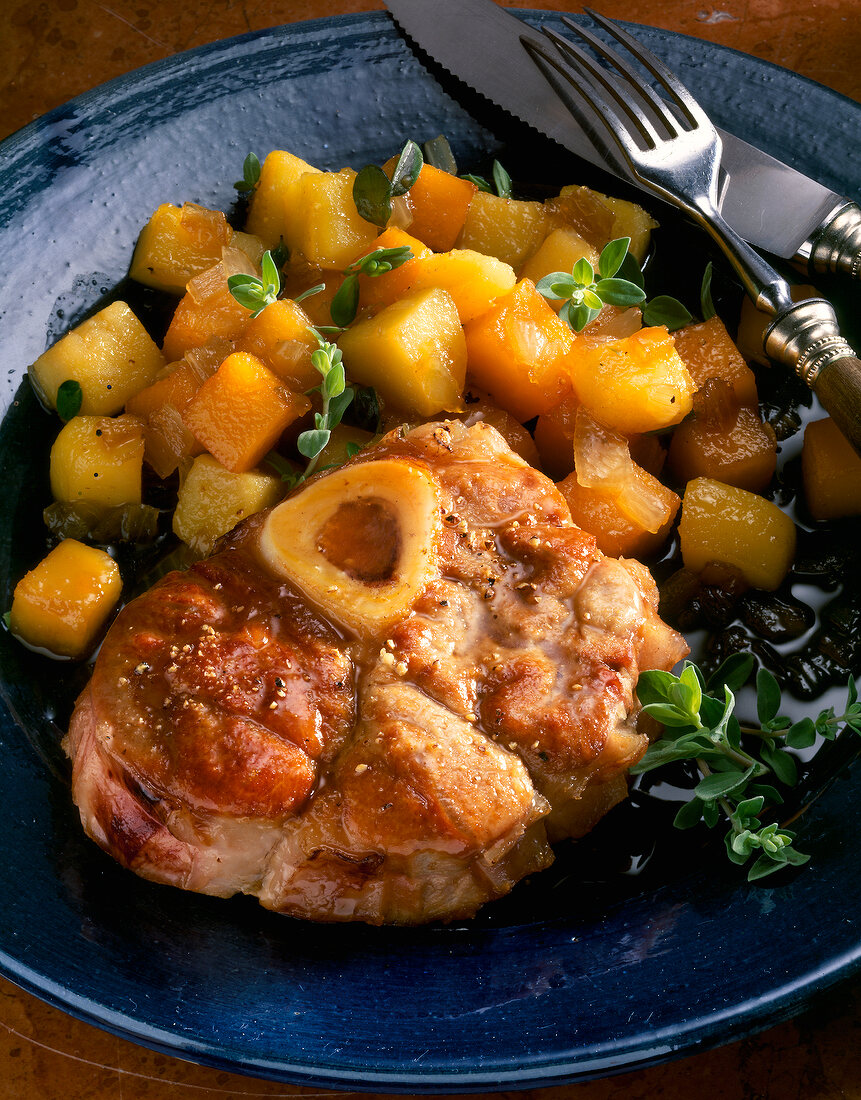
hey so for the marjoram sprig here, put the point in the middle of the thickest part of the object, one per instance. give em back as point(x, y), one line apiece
point(738, 765)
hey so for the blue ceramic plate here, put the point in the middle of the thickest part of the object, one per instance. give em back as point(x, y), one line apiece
point(581, 971)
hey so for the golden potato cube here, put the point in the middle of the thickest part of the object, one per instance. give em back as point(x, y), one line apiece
point(111, 356)
point(631, 220)
point(63, 603)
point(322, 222)
point(721, 523)
point(559, 251)
point(510, 229)
point(831, 470)
point(636, 384)
point(212, 500)
point(98, 458)
point(473, 280)
point(178, 243)
point(267, 215)
point(343, 439)
point(413, 353)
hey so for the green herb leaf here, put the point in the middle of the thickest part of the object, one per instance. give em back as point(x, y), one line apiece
point(309, 292)
point(7, 619)
point(312, 442)
point(612, 257)
point(366, 409)
point(767, 696)
point(619, 292)
point(250, 174)
point(501, 181)
point(407, 169)
point(720, 784)
point(665, 310)
point(69, 399)
point(346, 301)
point(479, 181)
point(372, 194)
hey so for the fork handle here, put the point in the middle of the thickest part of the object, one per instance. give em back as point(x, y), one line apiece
point(807, 337)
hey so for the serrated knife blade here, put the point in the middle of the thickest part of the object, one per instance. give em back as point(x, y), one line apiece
point(480, 43)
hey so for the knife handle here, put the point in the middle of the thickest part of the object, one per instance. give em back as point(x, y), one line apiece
point(835, 248)
point(806, 337)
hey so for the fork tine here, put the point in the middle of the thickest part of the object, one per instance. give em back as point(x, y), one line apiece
point(595, 74)
point(619, 63)
point(665, 77)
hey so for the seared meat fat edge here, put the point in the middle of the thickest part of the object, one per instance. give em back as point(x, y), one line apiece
point(381, 700)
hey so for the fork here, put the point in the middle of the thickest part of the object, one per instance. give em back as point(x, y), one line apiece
point(670, 146)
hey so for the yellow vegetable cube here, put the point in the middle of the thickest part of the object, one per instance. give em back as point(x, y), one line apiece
point(343, 439)
point(637, 384)
point(412, 352)
point(721, 523)
point(510, 229)
point(322, 222)
point(212, 500)
point(177, 244)
point(831, 470)
point(559, 251)
point(111, 356)
point(63, 603)
point(631, 220)
point(98, 458)
point(267, 216)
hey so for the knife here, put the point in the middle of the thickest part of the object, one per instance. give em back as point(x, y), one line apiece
point(480, 43)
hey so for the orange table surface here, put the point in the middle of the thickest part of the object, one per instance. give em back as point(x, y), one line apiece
point(56, 49)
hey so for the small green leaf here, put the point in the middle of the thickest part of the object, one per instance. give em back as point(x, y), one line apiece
point(767, 695)
point(583, 272)
point(801, 734)
point(69, 399)
point(309, 292)
point(631, 271)
point(479, 181)
point(557, 286)
point(668, 715)
point(7, 619)
point(271, 275)
point(366, 409)
point(335, 381)
point(613, 256)
point(781, 763)
point(619, 292)
point(407, 169)
point(345, 302)
point(372, 194)
point(592, 300)
point(280, 254)
point(720, 784)
point(707, 306)
point(653, 685)
point(352, 448)
point(501, 181)
point(250, 174)
point(338, 406)
point(438, 154)
point(577, 316)
point(689, 815)
point(734, 672)
point(312, 442)
point(665, 310)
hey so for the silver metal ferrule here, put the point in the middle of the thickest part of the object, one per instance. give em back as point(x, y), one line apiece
point(835, 248)
point(807, 338)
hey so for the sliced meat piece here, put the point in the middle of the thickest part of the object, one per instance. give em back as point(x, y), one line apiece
point(382, 699)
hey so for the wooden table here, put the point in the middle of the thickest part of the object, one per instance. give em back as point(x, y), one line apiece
point(56, 50)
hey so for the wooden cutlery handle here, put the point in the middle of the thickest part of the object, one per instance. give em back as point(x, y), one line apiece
point(838, 387)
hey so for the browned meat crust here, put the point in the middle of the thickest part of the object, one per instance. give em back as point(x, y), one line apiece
point(237, 736)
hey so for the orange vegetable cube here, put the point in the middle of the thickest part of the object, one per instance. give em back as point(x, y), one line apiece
point(376, 291)
point(584, 210)
point(559, 251)
point(736, 528)
point(98, 458)
point(299, 276)
point(707, 350)
point(207, 309)
point(239, 413)
point(167, 441)
point(178, 243)
point(63, 603)
point(831, 470)
point(601, 514)
point(554, 438)
point(637, 384)
point(474, 281)
point(281, 338)
point(267, 217)
point(723, 441)
point(412, 352)
point(322, 222)
point(438, 202)
point(510, 229)
point(516, 352)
